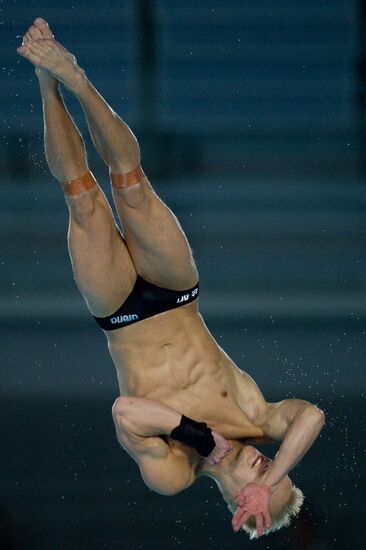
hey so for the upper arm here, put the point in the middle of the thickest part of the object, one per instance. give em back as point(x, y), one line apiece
point(164, 469)
point(280, 415)
point(138, 446)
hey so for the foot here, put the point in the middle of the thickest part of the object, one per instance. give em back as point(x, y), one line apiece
point(38, 31)
point(48, 55)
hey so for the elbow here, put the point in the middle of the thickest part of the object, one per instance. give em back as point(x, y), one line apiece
point(317, 414)
point(123, 411)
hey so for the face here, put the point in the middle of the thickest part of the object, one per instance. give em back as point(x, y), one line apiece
point(251, 464)
point(250, 467)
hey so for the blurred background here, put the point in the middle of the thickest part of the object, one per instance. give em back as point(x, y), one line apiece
point(251, 120)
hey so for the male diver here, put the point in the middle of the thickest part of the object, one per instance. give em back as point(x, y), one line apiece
point(185, 408)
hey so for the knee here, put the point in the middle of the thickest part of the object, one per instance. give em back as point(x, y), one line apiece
point(136, 196)
point(83, 206)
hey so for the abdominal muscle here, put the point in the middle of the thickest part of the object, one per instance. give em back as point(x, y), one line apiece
point(172, 358)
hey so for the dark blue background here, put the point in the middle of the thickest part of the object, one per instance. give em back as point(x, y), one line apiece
point(251, 120)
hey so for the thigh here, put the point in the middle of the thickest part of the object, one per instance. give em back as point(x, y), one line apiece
point(156, 242)
point(102, 266)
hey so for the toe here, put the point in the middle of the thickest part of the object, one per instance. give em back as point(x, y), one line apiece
point(43, 27)
point(25, 52)
point(40, 22)
point(34, 33)
point(36, 47)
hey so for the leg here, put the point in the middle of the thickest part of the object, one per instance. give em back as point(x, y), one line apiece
point(101, 263)
point(157, 243)
point(155, 240)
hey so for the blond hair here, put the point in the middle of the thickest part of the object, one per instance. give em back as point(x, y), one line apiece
point(281, 519)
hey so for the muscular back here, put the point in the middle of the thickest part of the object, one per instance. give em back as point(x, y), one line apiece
point(172, 358)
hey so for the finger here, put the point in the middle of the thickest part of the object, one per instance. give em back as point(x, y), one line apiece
point(259, 524)
point(240, 500)
point(239, 518)
point(236, 525)
point(267, 518)
point(240, 522)
point(236, 519)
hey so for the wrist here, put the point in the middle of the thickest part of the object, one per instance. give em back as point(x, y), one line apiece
point(195, 434)
point(269, 480)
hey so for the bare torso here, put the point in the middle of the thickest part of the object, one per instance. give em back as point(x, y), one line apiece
point(172, 358)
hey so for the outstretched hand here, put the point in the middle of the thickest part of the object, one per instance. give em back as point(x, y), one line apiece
point(221, 449)
point(253, 500)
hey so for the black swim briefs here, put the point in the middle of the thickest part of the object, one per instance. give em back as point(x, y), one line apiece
point(146, 300)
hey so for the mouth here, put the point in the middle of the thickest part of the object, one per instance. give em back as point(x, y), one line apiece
point(257, 461)
point(261, 463)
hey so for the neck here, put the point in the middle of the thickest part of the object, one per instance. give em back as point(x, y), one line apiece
point(225, 473)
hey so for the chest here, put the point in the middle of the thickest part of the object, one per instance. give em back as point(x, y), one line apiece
point(214, 402)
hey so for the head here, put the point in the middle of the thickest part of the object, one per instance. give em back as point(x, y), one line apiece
point(245, 464)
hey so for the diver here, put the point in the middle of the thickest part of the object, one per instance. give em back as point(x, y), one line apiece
point(185, 409)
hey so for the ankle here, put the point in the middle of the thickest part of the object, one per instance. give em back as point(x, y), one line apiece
point(49, 87)
point(80, 82)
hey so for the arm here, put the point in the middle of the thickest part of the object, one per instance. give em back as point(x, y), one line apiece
point(163, 470)
point(145, 417)
point(297, 423)
point(140, 423)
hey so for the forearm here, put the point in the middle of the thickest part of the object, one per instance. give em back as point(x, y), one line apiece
point(299, 437)
point(145, 417)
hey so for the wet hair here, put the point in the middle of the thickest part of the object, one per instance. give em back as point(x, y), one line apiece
point(281, 519)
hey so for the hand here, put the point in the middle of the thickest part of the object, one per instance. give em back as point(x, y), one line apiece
point(222, 448)
point(253, 500)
